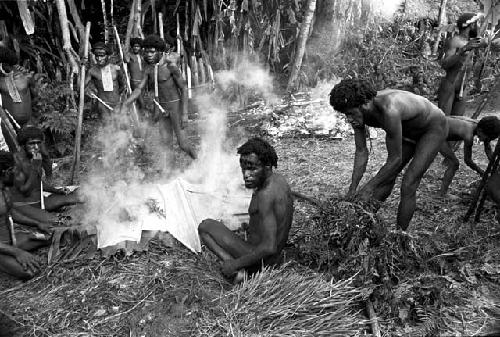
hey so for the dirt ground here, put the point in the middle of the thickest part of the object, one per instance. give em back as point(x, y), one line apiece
point(165, 291)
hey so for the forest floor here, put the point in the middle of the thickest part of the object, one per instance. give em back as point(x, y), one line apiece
point(169, 291)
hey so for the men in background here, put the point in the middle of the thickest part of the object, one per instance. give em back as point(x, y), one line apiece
point(463, 128)
point(17, 90)
point(270, 210)
point(457, 62)
point(415, 129)
point(106, 78)
point(170, 95)
point(16, 260)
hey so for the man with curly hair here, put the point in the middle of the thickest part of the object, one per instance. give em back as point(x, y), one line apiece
point(457, 62)
point(107, 79)
point(270, 210)
point(164, 79)
point(415, 129)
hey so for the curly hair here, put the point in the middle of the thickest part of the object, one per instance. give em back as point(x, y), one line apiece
point(101, 45)
point(490, 126)
point(154, 41)
point(29, 132)
point(136, 40)
point(7, 56)
point(351, 93)
point(262, 149)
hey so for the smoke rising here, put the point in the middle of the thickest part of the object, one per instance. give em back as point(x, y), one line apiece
point(117, 187)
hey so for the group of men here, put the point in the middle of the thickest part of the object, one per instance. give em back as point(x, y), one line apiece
point(416, 131)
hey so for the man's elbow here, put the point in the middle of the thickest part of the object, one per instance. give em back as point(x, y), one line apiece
point(269, 250)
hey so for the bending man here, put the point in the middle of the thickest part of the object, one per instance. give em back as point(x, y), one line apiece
point(415, 129)
point(270, 210)
point(463, 128)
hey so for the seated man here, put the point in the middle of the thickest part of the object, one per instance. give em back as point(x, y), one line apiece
point(463, 128)
point(27, 178)
point(16, 260)
point(415, 128)
point(270, 210)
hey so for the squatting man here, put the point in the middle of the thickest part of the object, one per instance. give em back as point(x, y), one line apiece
point(270, 210)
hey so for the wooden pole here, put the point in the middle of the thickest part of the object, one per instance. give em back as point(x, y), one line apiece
point(78, 137)
point(160, 25)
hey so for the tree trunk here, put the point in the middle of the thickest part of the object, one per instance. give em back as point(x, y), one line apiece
point(130, 28)
point(105, 21)
point(63, 20)
point(76, 18)
point(441, 22)
point(301, 42)
point(26, 17)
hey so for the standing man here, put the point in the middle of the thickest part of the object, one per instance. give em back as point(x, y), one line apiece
point(107, 79)
point(463, 128)
point(270, 210)
point(170, 95)
point(457, 62)
point(136, 65)
point(415, 129)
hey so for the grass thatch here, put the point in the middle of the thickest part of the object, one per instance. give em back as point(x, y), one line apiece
point(286, 302)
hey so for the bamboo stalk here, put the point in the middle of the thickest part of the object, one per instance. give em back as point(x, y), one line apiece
point(78, 137)
point(105, 21)
point(188, 77)
point(160, 25)
point(178, 36)
point(194, 70)
point(12, 232)
point(42, 200)
point(201, 70)
point(130, 28)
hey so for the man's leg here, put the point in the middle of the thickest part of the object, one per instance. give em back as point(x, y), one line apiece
point(446, 95)
point(179, 133)
point(167, 140)
point(9, 264)
point(452, 165)
point(222, 241)
point(458, 107)
point(425, 152)
point(56, 201)
point(383, 190)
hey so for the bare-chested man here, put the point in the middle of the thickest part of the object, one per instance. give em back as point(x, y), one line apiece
point(136, 65)
point(457, 62)
point(27, 180)
point(415, 128)
point(463, 128)
point(270, 210)
point(16, 260)
point(106, 78)
point(170, 92)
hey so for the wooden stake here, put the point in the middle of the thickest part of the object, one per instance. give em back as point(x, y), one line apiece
point(160, 25)
point(194, 70)
point(12, 232)
point(78, 137)
point(373, 319)
point(42, 201)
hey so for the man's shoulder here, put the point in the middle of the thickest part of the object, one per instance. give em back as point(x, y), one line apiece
point(278, 186)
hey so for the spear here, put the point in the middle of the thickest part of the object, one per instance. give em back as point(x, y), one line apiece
point(78, 137)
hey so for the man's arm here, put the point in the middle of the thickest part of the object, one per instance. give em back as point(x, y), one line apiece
point(25, 259)
point(269, 245)
point(468, 156)
point(394, 145)
point(453, 55)
point(137, 91)
point(181, 86)
point(360, 159)
point(88, 78)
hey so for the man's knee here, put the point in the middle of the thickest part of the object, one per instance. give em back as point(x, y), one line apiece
point(207, 225)
point(409, 185)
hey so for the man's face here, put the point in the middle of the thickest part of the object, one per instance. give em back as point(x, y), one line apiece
point(254, 172)
point(136, 48)
point(354, 117)
point(473, 30)
point(33, 147)
point(151, 55)
point(101, 57)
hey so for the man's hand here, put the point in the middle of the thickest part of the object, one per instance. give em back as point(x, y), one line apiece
point(228, 268)
point(29, 262)
point(473, 44)
point(45, 228)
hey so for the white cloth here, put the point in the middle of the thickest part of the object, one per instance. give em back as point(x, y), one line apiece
point(107, 78)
